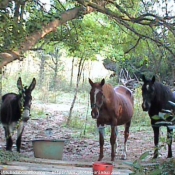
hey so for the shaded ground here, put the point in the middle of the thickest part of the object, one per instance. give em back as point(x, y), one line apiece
point(82, 149)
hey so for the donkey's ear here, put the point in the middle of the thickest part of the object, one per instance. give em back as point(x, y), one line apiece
point(90, 82)
point(102, 82)
point(32, 85)
point(153, 79)
point(143, 78)
point(19, 84)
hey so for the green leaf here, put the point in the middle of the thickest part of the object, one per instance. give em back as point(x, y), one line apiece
point(135, 164)
point(155, 172)
point(156, 117)
point(144, 155)
point(129, 163)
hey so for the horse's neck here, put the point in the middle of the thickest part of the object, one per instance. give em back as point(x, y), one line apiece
point(109, 94)
point(108, 90)
point(161, 100)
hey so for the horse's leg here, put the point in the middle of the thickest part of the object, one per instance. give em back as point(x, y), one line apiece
point(101, 130)
point(169, 141)
point(156, 141)
point(20, 130)
point(8, 137)
point(113, 142)
point(116, 143)
point(126, 135)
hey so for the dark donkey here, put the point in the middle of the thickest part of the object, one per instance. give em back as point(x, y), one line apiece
point(15, 111)
point(111, 106)
point(157, 98)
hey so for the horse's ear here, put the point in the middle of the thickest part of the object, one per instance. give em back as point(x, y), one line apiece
point(153, 79)
point(32, 85)
point(143, 78)
point(90, 82)
point(19, 84)
point(102, 82)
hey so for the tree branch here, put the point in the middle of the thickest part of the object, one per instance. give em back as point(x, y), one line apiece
point(134, 46)
point(32, 40)
point(142, 20)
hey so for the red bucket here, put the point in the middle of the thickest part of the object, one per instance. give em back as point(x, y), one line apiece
point(102, 168)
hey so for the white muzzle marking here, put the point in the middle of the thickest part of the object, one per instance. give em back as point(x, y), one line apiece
point(26, 114)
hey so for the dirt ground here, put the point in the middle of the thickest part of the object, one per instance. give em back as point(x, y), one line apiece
point(83, 149)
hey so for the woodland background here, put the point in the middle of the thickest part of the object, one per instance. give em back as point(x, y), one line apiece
point(64, 42)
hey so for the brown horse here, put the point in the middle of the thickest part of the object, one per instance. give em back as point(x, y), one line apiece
point(111, 106)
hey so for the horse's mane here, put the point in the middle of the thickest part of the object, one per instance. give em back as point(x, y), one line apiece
point(163, 93)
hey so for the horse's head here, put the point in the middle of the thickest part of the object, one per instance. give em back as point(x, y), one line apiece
point(148, 92)
point(25, 96)
point(96, 97)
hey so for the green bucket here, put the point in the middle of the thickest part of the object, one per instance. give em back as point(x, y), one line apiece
point(48, 149)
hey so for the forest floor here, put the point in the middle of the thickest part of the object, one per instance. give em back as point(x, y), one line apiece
point(84, 149)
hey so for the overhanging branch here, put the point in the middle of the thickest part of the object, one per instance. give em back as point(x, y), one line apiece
point(127, 21)
point(32, 40)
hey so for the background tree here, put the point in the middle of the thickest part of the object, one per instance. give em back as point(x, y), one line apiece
point(132, 30)
point(56, 65)
point(42, 64)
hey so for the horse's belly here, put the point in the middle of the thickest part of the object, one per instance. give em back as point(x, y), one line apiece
point(123, 120)
point(124, 114)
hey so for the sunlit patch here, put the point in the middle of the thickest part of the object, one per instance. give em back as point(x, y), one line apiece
point(120, 111)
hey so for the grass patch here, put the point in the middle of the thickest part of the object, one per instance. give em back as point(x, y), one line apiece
point(140, 117)
point(37, 114)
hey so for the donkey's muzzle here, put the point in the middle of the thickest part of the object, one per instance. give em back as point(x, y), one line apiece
point(26, 115)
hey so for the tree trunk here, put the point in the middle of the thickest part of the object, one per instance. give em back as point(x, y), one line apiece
point(72, 72)
point(41, 72)
point(173, 74)
point(0, 87)
point(80, 68)
point(84, 132)
point(55, 75)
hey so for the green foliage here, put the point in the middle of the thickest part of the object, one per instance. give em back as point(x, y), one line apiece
point(139, 167)
point(165, 117)
point(8, 156)
point(12, 33)
point(95, 33)
point(140, 117)
point(37, 114)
